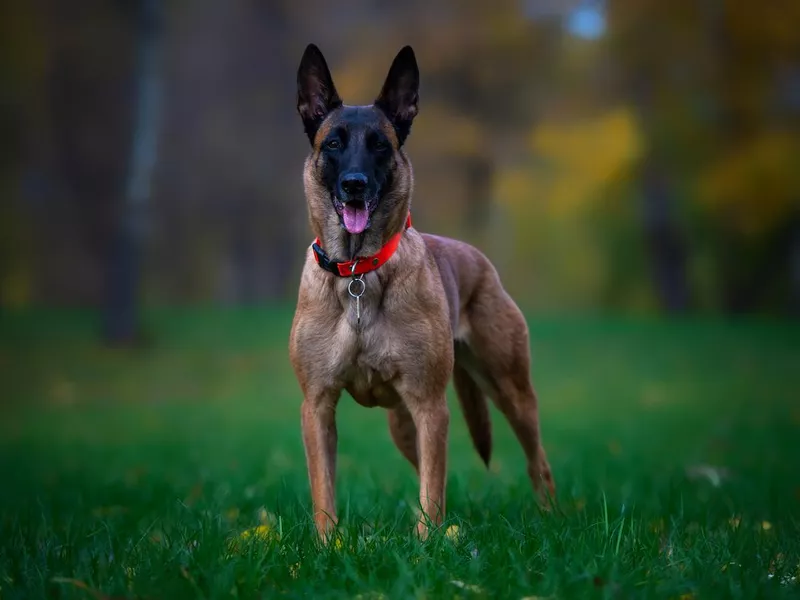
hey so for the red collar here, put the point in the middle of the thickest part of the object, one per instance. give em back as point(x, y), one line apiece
point(362, 264)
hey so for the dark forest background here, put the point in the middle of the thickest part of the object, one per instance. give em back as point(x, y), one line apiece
point(625, 156)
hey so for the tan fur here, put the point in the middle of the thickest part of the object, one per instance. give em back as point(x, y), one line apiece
point(435, 310)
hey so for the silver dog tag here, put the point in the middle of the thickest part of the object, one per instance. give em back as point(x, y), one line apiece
point(356, 289)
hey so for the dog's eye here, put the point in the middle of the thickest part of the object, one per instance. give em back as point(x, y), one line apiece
point(380, 146)
point(333, 144)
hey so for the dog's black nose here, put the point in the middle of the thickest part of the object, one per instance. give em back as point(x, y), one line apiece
point(354, 184)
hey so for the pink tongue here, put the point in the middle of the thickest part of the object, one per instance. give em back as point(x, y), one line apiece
point(355, 216)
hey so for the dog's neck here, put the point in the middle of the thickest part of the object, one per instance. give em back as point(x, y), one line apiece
point(340, 245)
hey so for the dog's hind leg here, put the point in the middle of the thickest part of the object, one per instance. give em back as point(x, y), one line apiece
point(404, 434)
point(499, 340)
point(518, 403)
point(475, 409)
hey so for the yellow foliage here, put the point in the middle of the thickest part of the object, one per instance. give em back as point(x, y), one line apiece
point(518, 190)
point(583, 157)
point(754, 186)
point(550, 254)
point(552, 200)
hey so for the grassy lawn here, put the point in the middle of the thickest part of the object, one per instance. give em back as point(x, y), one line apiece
point(134, 473)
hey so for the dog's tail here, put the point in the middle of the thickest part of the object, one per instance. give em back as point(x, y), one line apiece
point(476, 411)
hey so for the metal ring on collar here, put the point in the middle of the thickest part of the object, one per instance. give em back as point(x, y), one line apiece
point(360, 289)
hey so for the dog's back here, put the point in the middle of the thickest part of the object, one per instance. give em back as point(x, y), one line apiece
point(461, 267)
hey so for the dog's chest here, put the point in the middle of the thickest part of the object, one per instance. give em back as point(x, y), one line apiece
point(368, 364)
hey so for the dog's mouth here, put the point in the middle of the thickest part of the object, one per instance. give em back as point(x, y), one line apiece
point(355, 214)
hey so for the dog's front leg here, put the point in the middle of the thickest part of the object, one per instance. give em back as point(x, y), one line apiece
point(319, 439)
point(432, 419)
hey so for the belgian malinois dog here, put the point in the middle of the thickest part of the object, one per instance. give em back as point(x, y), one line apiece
point(390, 314)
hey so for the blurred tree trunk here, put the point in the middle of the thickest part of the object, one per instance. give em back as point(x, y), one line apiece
point(264, 222)
point(664, 241)
point(123, 277)
point(665, 244)
point(77, 147)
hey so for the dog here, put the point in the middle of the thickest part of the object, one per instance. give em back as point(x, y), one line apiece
point(390, 314)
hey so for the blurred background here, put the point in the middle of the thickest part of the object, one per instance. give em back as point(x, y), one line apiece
point(630, 166)
point(625, 156)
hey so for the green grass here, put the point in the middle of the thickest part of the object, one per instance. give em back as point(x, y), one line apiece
point(126, 473)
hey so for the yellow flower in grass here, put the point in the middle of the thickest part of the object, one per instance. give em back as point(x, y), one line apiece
point(263, 534)
point(335, 541)
point(453, 532)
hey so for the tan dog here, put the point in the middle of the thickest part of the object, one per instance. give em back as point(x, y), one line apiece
point(390, 314)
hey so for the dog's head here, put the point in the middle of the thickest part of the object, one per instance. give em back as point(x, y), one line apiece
point(356, 149)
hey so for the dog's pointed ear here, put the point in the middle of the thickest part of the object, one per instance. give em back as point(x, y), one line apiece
point(316, 94)
point(399, 97)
